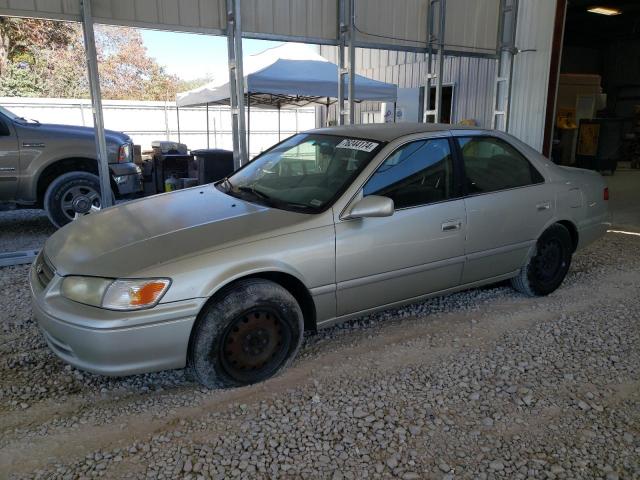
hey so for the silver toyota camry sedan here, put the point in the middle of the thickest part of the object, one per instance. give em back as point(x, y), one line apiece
point(327, 225)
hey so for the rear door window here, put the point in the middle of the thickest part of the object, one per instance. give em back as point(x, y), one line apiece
point(491, 164)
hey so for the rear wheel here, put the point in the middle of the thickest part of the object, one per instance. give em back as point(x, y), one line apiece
point(546, 269)
point(71, 195)
point(250, 333)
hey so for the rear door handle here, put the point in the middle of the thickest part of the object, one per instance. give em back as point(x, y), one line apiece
point(543, 206)
point(451, 225)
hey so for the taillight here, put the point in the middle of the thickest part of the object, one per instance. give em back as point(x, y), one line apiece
point(605, 193)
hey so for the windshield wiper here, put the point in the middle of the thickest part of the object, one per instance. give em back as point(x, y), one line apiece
point(272, 202)
point(256, 193)
point(227, 184)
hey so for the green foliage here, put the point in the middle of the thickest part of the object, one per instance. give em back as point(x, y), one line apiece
point(20, 80)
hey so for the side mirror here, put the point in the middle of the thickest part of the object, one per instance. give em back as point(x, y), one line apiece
point(371, 206)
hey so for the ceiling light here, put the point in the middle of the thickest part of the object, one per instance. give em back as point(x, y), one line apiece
point(604, 11)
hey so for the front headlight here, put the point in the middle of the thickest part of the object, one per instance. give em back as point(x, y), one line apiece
point(122, 294)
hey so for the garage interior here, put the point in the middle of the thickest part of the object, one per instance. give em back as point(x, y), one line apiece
point(485, 383)
point(599, 87)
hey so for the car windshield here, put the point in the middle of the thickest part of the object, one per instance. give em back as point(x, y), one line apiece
point(306, 172)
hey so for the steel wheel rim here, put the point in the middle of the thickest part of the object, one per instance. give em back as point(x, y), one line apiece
point(549, 260)
point(255, 344)
point(79, 200)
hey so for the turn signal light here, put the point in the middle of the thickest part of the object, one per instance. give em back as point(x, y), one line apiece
point(605, 193)
point(146, 294)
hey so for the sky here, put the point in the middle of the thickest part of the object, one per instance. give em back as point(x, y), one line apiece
point(191, 56)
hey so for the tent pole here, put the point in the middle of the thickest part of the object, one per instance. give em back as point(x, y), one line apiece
point(207, 125)
point(178, 119)
point(96, 100)
point(215, 134)
point(326, 117)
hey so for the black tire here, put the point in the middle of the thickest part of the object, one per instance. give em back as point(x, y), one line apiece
point(547, 268)
point(259, 324)
point(68, 194)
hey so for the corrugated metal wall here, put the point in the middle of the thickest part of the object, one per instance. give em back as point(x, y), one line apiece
point(473, 79)
point(396, 20)
point(471, 26)
point(531, 71)
point(315, 19)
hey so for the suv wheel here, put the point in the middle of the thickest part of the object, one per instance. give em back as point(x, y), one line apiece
point(250, 333)
point(546, 269)
point(71, 195)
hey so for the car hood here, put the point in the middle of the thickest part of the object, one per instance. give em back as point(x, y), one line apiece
point(124, 240)
point(73, 130)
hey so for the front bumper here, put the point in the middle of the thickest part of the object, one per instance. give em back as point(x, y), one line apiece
point(108, 342)
point(127, 176)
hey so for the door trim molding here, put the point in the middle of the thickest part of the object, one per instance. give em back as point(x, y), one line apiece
point(380, 277)
point(343, 318)
point(499, 250)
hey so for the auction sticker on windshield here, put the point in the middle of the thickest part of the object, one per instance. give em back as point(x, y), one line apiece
point(362, 145)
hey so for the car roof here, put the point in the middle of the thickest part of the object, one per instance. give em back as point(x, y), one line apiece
point(387, 132)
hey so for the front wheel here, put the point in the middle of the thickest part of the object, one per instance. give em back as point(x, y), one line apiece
point(249, 333)
point(546, 269)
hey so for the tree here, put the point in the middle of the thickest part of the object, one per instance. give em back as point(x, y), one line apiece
point(19, 36)
point(19, 80)
point(46, 58)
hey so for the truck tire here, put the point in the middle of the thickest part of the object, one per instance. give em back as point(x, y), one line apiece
point(70, 195)
point(546, 269)
point(251, 331)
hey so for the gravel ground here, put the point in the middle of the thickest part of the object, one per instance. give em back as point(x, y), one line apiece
point(23, 229)
point(481, 384)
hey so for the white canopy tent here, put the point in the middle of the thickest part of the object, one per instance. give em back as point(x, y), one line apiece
point(288, 75)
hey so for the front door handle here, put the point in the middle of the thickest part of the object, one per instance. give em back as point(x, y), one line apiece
point(543, 206)
point(451, 225)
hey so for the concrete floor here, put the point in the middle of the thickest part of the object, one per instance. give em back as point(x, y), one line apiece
point(624, 199)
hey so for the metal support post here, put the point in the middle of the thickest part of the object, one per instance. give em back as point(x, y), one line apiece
point(342, 68)
point(248, 126)
point(431, 111)
point(504, 68)
point(352, 61)
point(440, 61)
point(96, 101)
point(236, 82)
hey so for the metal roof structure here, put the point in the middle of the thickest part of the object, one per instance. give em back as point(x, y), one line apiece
point(471, 25)
point(435, 27)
